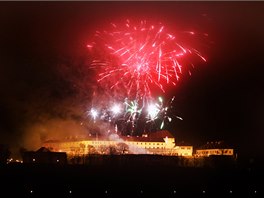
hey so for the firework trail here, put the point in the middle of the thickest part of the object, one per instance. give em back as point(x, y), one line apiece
point(139, 57)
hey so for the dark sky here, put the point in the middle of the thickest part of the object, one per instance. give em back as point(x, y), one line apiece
point(222, 100)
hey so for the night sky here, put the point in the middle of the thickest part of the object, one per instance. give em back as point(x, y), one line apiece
point(44, 75)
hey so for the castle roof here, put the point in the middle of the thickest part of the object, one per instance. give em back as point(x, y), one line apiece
point(151, 137)
point(160, 134)
point(141, 139)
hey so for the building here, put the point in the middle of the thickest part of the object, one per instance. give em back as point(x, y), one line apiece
point(44, 156)
point(161, 143)
point(214, 148)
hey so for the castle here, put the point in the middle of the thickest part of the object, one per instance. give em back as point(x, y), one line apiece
point(155, 143)
point(161, 143)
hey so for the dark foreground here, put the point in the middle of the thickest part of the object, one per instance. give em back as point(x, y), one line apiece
point(130, 180)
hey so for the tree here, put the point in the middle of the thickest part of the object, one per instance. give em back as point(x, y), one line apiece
point(82, 148)
point(122, 148)
point(112, 150)
point(91, 149)
point(103, 149)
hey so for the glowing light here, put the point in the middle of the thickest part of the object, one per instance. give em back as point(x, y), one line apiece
point(116, 109)
point(94, 113)
point(153, 111)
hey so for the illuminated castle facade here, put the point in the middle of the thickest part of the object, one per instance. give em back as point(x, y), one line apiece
point(214, 148)
point(158, 143)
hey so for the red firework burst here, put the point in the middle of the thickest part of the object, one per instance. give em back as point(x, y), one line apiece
point(136, 57)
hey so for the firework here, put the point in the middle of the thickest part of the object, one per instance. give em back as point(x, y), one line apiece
point(130, 118)
point(136, 58)
point(132, 61)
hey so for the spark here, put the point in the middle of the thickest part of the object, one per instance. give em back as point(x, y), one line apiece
point(180, 118)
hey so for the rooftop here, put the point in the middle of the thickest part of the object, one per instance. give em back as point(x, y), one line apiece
point(151, 137)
